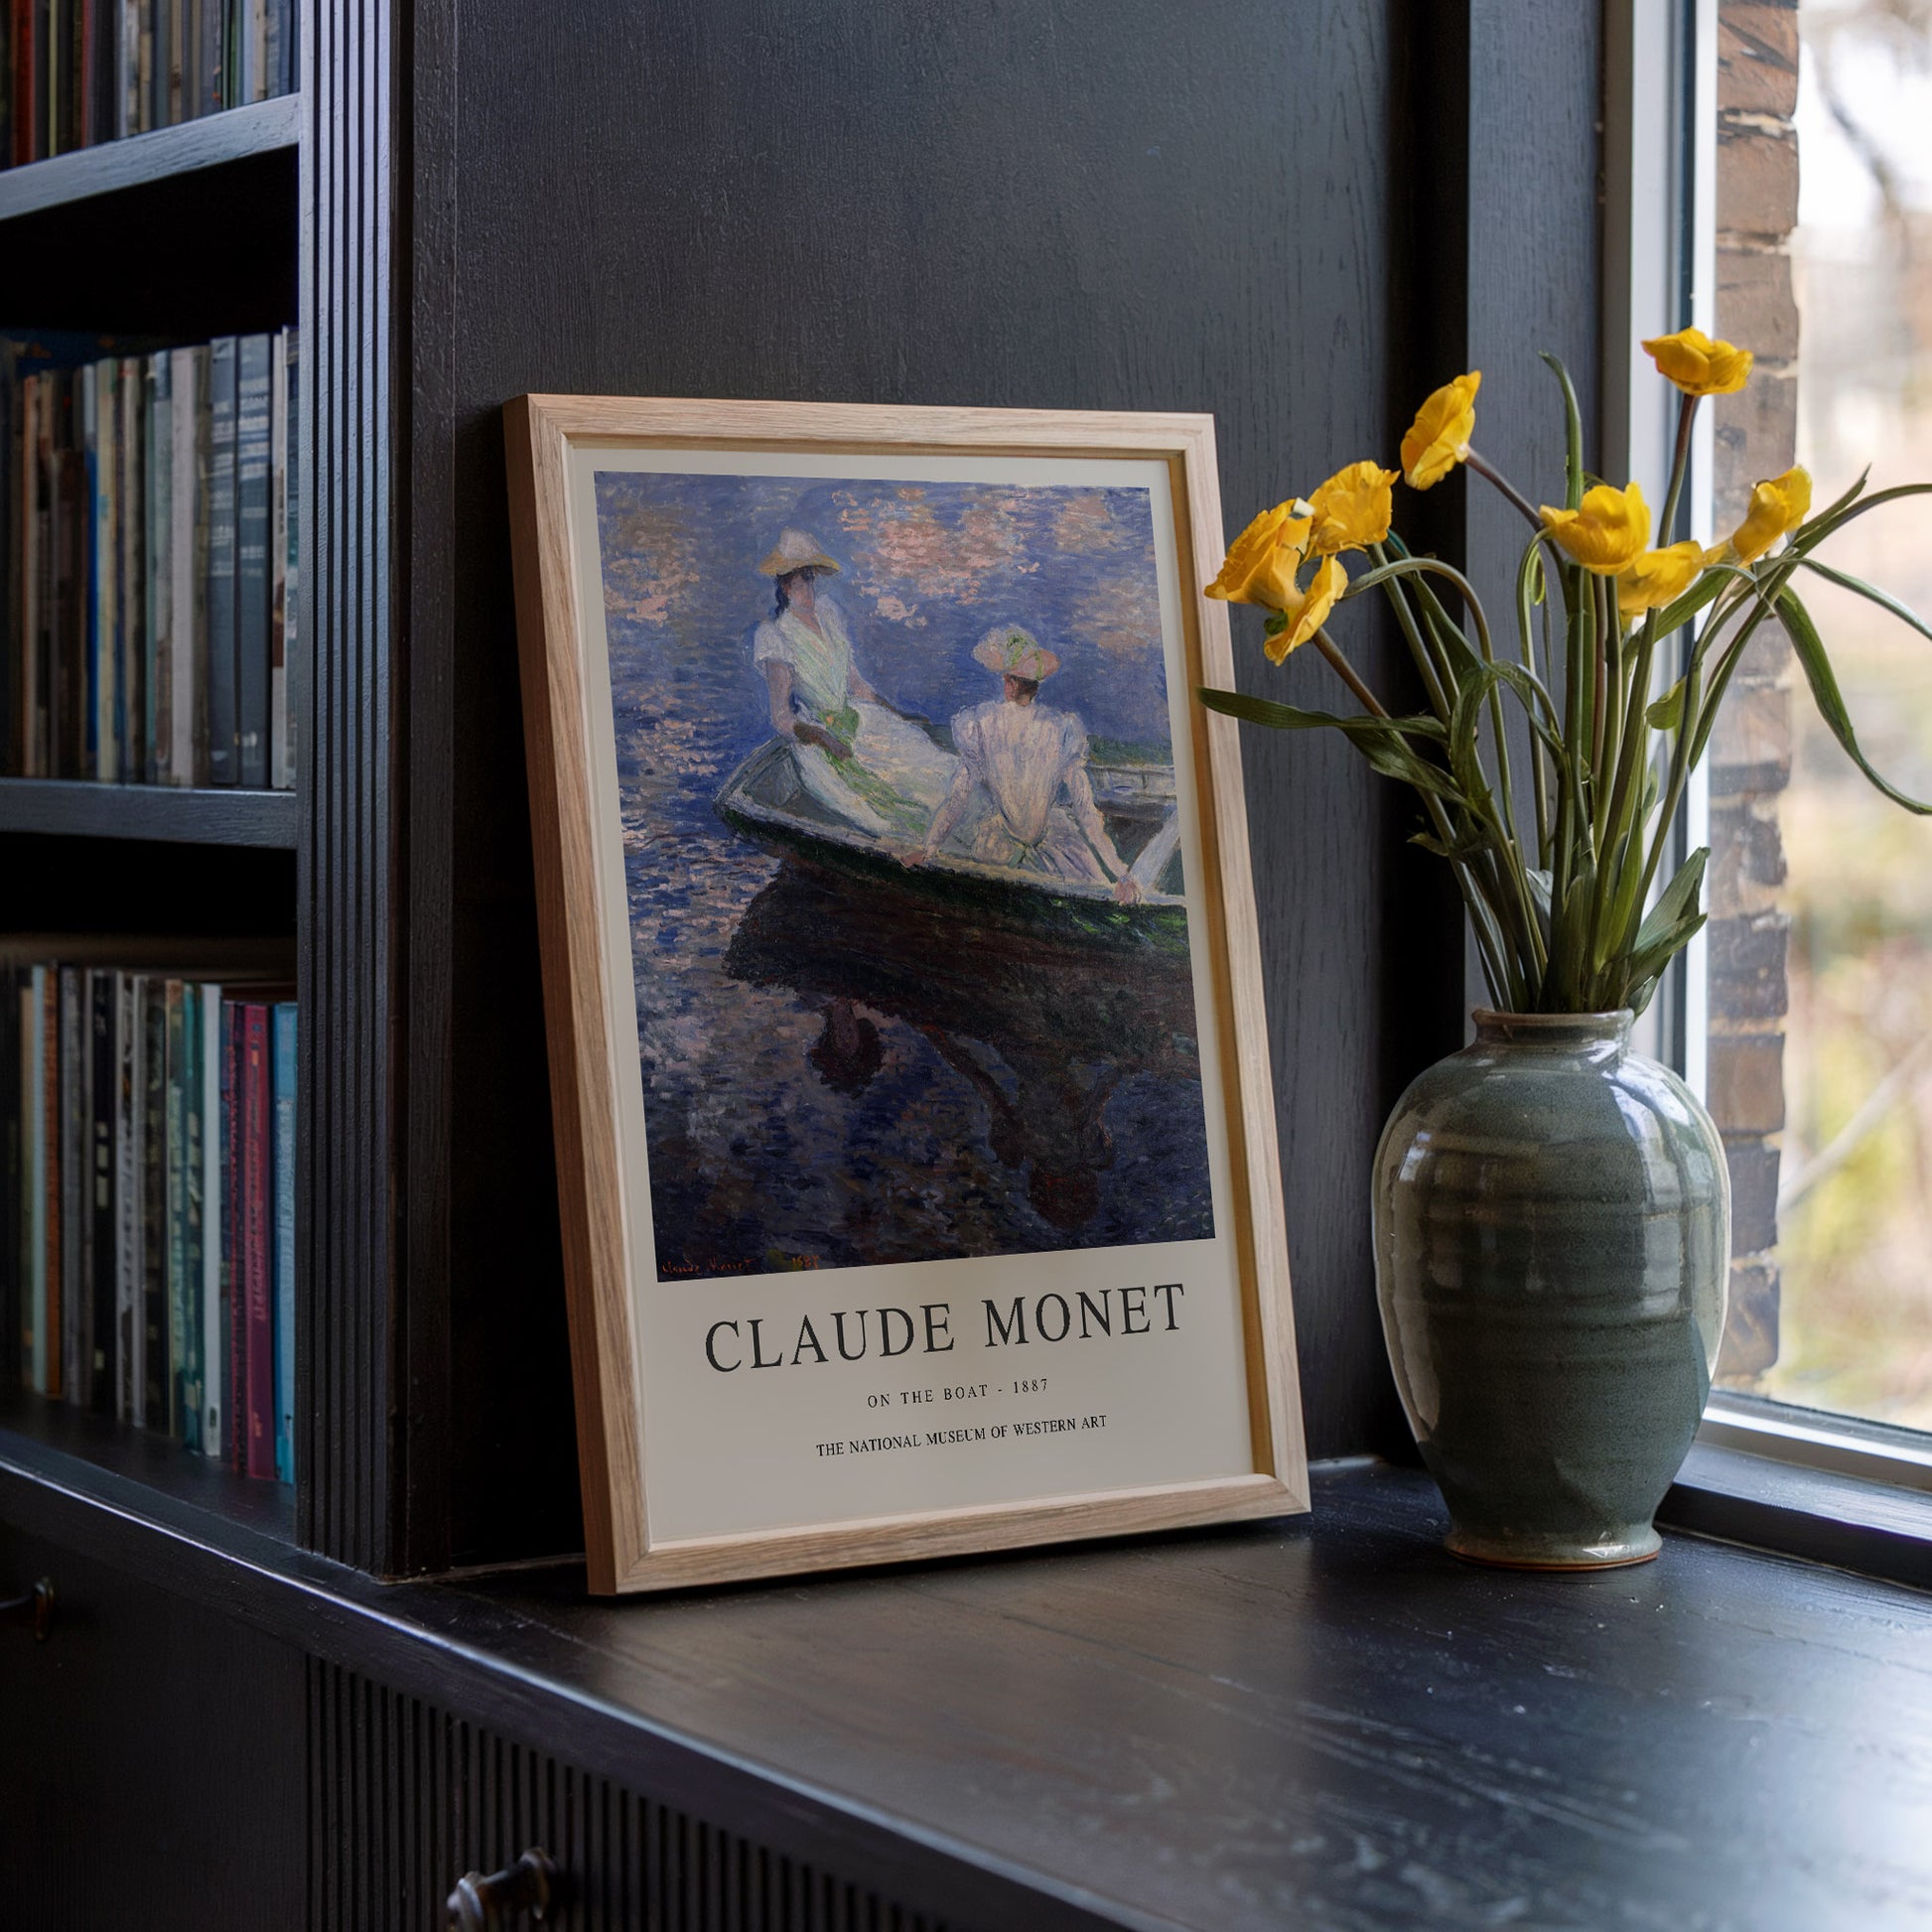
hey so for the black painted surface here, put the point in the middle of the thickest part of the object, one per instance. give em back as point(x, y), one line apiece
point(1328, 1723)
point(177, 814)
point(1052, 206)
point(129, 1794)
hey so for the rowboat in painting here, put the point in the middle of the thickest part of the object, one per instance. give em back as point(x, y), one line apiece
point(767, 800)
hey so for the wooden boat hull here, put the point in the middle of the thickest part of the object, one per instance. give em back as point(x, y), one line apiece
point(765, 800)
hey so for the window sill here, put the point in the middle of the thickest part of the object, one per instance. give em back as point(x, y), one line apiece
point(1873, 1529)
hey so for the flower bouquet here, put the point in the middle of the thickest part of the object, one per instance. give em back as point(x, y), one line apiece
point(1550, 1209)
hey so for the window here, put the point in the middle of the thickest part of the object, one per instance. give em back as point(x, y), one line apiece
point(1819, 956)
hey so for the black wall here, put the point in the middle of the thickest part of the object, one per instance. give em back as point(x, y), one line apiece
point(1242, 207)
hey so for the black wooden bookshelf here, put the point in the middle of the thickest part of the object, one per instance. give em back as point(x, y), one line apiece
point(179, 815)
point(263, 127)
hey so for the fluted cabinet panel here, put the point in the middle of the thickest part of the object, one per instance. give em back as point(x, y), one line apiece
point(350, 1182)
point(404, 1798)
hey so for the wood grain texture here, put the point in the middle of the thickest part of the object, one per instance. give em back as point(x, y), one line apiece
point(588, 987)
point(176, 814)
point(1052, 209)
point(1325, 1724)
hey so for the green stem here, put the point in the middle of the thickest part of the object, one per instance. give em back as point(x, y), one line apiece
point(1679, 468)
point(1526, 636)
point(1418, 651)
point(1490, 474)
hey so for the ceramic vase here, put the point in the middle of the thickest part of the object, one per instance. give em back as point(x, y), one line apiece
point(1552, 1218)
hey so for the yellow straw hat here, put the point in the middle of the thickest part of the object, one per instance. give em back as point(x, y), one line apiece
point(1014, 653)
point(795, 550)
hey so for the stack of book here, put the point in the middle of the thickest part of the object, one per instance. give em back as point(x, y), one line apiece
point(77, 71)
point(148, 570)
point(147, 1187)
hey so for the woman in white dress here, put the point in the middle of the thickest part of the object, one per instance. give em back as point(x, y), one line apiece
point(1020, 796)
point(857, 754)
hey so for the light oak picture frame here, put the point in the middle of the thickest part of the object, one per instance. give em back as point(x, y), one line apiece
point(665, 1504)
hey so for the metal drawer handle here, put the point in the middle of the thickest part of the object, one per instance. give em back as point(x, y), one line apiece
point(33, 1611)
point(481, 1904)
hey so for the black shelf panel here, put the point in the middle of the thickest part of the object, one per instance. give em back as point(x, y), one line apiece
point(173, 813)
point(213, 141)
point(136, 1471)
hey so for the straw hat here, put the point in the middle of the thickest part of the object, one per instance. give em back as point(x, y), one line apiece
point(795, 550)
point(1014, 653)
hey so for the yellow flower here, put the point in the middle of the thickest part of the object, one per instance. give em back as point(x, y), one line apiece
point(1262, 560)
point(1697, 365)
point(1607, 532)
point(1309, 611)
point(1777, 508)
point(1438, 438)
point(1351, 509)
point(1657, 577)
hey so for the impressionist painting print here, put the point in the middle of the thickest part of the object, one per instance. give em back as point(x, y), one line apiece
point(915, 1139)
point(904, 868)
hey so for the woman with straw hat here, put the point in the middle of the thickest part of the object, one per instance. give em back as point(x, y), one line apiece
point(1020, 796)
point(858, 754)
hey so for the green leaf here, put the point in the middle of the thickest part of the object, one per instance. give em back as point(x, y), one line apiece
point(1823, 516)
point(1677, 901)
point(1647, 962)
point(1820, 527)
point(1573, 468)
point(1290, 718)
point(1809, 648)
point(1383, 742)
point(1885, 599)
point(1667, 712)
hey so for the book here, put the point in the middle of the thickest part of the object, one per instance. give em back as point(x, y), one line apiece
point(131, 1398)
point(224, 718)
point(33, 1034)
point(280, 423)
point(76, 1299)
point(187, 656)
point(10, 1180)
point(185, 1395)
point(48, 1318)
point(282, 1026)
point(257, 1187)
point(104, 1075)
point(157, 579)
point(130, 523)
point(235, 1295)
point(253, 392)
point(157, 1365)
point(214, 1326)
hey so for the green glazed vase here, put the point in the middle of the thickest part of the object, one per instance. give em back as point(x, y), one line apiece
point(1551, 1241)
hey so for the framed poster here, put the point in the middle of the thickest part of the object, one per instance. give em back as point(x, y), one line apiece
point(914, 1128)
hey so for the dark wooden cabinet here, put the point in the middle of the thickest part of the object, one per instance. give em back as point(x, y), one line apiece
point(153, 1757)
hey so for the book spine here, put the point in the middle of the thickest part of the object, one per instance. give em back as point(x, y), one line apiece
point(12, 1180)
point(157, 579)
point(26, 623)
point(283, 1020)
point(215, 1331)
point(144, 69)
point(76, 1299)
point(292, 561)
point(233, 1290)
point(104, 1016)
point(103, 409)
point(178, 56)
point(33, 1176)
point(24, 148)
point(157, 1364)
point(131, 520)
point(257, 1157)
point(223, 726)
point(253, 390)
point(184, 581)
point(162, 54)
point(49, 1322)
point(185, 1394)
point(131, 1398)
point(278, 556)
point(99, 690)
point(76, 532)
